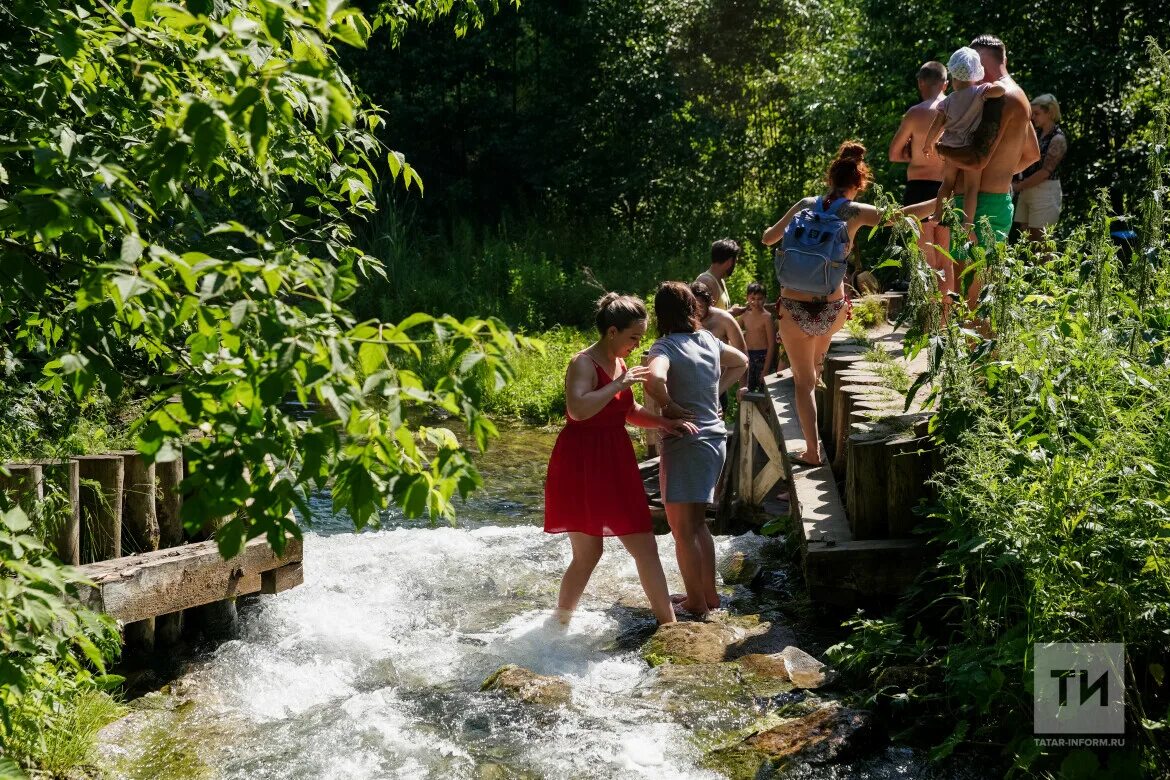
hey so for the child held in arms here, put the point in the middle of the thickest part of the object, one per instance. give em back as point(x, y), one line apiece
point(966, 132)
point(760, 334)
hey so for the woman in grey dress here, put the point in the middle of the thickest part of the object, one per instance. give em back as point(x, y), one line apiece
point(689, 368)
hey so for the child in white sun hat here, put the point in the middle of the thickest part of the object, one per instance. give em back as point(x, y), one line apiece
point(966, 131)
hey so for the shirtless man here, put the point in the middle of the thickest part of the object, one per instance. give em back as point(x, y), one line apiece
point(719, 322)
point(724, 255)
point(924, 174)
point(1015, 148)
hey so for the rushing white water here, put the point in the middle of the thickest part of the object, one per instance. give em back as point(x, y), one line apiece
point(372, 668)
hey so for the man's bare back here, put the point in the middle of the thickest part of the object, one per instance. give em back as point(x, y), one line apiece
point(1016, 147)
point(915, 123)
point(725, 328)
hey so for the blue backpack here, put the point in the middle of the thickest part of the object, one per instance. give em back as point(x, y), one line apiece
point(813, 251)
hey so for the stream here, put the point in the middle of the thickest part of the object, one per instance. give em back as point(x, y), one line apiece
point(372, 667)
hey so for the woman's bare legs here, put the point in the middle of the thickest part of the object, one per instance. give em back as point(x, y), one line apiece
point(806, 355)
point(695, 550)
point(586, 554)
point(644, 549)
point(802, 354)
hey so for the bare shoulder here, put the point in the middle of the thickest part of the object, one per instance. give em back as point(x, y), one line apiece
point(724, 318)
point(580, 364)
point(854, 209)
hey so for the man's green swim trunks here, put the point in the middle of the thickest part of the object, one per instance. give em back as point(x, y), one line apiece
point(997, 207)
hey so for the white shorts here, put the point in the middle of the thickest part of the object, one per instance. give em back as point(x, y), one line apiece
point(1039, 207)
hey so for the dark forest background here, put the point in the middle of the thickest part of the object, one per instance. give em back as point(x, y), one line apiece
point(623, 136)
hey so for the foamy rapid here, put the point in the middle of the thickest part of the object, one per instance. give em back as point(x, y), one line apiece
point(372, 669)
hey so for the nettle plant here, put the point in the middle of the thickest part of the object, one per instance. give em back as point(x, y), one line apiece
point(178, 189)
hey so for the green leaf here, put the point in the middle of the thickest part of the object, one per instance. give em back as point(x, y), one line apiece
point(210, 141)
point(245, 99)
point(201, 7)
point(15, 520)
point(372, 357)
point(131, 249)
point(142, 11)
point(274, 22)
point(258, 130)
point(340, 110)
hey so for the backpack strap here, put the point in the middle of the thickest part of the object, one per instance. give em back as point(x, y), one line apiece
point(834, 208)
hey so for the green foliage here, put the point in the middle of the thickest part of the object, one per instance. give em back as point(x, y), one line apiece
point(537, 390)
point(1053, 512)
point(185, 232)
point(52, 657)
point(1091, 56)
point(868, 312)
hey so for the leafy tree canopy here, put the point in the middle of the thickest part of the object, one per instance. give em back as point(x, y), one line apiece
point(178, 185)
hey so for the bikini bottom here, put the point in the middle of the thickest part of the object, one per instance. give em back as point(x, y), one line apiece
point(816, 318)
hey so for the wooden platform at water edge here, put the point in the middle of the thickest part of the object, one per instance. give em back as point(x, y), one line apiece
point(117, 502)
point(854, 515)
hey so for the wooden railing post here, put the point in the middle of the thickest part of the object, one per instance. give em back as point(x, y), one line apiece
point(101, 506)
point(168, 628)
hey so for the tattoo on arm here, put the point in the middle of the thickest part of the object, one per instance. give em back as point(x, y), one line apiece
point(1057, 148)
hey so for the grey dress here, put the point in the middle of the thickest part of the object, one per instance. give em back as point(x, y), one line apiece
point(691, 464)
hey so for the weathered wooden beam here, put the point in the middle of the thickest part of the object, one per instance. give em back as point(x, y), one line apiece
point(25, 483)
point(101, 506)
point(909, 471)
point(157, 583)
point(168, 502)
point(139, 515)
point(279, 580)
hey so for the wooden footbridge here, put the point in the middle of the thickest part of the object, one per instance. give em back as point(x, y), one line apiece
point(854, 515)
point(120, 525)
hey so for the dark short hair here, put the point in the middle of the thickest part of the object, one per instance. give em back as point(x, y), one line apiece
point(701, 293)
point(755, 288)
point(723, 250)
point(676, 309)
point(933, 73)
point(619, 311)
point(991, 43)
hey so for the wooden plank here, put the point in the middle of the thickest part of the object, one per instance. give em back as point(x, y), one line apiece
point(279, 580)
point(169, 502)
point(25, 484)
point(142, 586)
point(101, 506)
point(65, 540)
point(140, 532)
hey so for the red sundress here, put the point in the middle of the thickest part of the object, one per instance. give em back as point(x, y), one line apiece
point(593, 485)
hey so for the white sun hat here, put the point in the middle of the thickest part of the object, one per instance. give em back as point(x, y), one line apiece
point(965, 65)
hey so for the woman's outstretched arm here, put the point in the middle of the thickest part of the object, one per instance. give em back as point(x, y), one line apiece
point(776, 232)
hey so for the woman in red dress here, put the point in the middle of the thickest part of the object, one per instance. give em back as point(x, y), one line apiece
point(593, 488)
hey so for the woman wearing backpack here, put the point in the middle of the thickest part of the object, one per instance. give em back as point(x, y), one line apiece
point(817, 233)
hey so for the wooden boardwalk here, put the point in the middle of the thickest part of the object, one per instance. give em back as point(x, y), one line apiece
point(854, 515)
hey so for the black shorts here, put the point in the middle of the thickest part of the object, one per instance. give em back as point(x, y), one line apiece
point(918, 190)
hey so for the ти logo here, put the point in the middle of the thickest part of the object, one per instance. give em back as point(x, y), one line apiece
point(1079, 688)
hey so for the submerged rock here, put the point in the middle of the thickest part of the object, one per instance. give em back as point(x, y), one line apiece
point(740, 569)
point(769, 666)
point(528, 686)
point(831, 733)
point(710, 697)
point(805, 671)
point(825, 735)
point(704, 642)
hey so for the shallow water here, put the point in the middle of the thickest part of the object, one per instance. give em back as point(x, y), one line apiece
point(372, 667)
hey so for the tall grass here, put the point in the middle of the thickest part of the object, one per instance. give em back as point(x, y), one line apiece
point(535, 275)
point(1053, 513)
